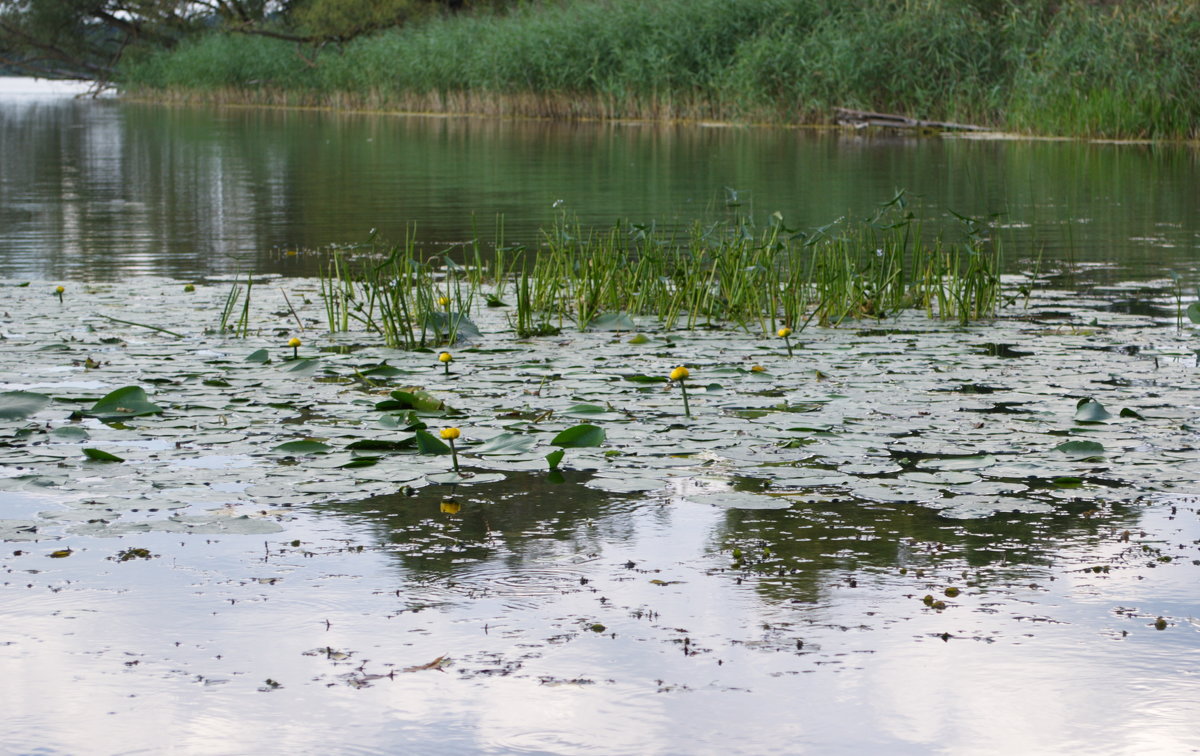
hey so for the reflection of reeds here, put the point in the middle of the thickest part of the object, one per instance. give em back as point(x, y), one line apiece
point(720, 274)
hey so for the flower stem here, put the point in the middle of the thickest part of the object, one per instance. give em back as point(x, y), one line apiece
point(788, 343)
point(454, 455)
point(683, 387)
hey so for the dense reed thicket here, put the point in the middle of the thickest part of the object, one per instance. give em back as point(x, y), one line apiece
point(1047, 66)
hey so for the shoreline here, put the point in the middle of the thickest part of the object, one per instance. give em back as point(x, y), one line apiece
point(507, 110)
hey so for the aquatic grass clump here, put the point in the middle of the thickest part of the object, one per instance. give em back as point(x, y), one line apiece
point(388, 290)
point(713, 275)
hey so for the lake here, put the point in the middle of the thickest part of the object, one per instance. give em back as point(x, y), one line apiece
point(909, 536)
point(101, 189)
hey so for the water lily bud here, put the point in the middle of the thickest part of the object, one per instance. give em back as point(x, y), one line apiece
point(445, 357)
point(679, 373)
point(449, 434)
point(293, 342)
point(59, 290)
point(784, 332)
point(443, 301)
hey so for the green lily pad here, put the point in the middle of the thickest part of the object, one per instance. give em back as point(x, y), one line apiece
point(506, 443)
point(381, 444)
point(17, 405)
point(741, 500)
point(70, 433)
point(427, 443)
point(130, 401)
point(99, 455)
point(611, 321)
point(305, 446)
point(1091, 411)
point(1081, 450)
point(578, 436)
point(416, 400)
point(261, 356)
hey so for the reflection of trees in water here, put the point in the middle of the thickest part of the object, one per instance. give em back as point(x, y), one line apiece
point(793, 553)
point(516, 521)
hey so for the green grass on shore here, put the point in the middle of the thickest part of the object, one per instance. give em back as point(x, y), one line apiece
point(1067, 67)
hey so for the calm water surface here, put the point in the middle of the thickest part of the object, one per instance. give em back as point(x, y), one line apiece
point(99, 189)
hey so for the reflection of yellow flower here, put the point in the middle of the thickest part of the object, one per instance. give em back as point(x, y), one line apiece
point(758, 369)
point(784, 332)
point(293, 342)
point(445, 357)
point(679, 373)
point(449, 434)
point(450, 506)
point(443, 301)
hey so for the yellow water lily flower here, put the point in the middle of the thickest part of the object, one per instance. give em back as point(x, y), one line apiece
point(445, 357)
point(679, 373)
point(449, 434)
point(443, 301)
point(784, 332)
point(293, 342)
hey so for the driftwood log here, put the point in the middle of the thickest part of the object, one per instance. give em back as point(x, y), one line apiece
point(863, 118)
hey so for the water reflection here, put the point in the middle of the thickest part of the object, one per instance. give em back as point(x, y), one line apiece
point(104, 188)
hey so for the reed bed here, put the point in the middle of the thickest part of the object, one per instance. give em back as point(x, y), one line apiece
point(1074, 67)
point(724, 274)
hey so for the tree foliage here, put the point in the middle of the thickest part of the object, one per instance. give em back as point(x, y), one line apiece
point(84, 39)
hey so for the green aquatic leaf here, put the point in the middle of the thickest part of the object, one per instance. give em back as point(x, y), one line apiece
point(1081, 450)
point(554, 458)
point(417, 400)
point(101, 456)
point(427, 443)
point(1091, 411)
point(17, 405)
point(642, 378)
point(305, 446)
point(578, 436)
point(380, 444)
point(1134, 414)
point(130, 401)
point(383, 370)
point(611, 321)
point(1193, 312)
point(360, 462)
point(70, 433)
point(262, 357)
point(506, 443)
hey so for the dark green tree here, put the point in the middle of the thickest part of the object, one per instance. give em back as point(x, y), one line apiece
point(84, 39)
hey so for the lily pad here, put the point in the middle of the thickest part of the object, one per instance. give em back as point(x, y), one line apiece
point(427, 443)
point(99, 455)
point(578, 436)
point(130, 401)
point(305, 446)
point(611, 321)
point(506, 443)
point(17, 405)
point(1091, 411)
point(1081, 450)
point(741, 500)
